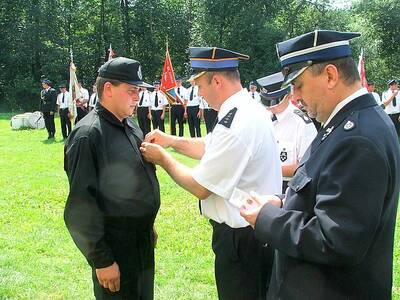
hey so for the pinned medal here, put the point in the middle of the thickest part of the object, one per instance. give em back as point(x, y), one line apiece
point(348, 126)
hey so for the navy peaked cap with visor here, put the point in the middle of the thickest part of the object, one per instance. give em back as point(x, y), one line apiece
point(300, 52)
point(203, 59)
point(272, 92)
point(125, 70)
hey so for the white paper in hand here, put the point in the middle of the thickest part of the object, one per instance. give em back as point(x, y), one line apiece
point(239, 197)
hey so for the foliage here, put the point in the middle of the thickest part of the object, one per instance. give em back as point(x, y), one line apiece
point(37, 35)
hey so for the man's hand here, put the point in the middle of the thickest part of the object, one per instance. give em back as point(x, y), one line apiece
point(160, 138)
point(199, 115)
point(51, 113)
point(149, 116)
point(153, 153)
point(252, 206)
point(185, 115)
point(109, 277)
point(162, 116)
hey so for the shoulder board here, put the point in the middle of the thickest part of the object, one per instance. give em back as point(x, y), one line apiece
point(303, 116)
point(227, 120)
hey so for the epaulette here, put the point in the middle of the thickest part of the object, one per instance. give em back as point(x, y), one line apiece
point(227, 120)
point(303, 116)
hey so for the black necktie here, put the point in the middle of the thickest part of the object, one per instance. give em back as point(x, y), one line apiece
point(141, 99)
point(179, 91)
point(63, 98)
point(252, 95)
point(274, 118)
point(156, 100)
point(394, 102)
point(191, 94)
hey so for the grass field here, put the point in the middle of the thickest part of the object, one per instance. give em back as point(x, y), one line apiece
point(38, 259)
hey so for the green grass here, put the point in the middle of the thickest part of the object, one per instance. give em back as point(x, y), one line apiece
point(38, 259)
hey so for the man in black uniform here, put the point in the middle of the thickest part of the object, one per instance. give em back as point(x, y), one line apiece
point(48, 103)
point(334, 233)
point(114, 194)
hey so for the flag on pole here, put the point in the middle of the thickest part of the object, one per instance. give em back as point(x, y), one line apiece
point(168, 82)
point(111, 53)
point(74, 89)
point(361, 69)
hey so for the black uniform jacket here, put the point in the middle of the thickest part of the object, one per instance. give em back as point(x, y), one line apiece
point(49, 100)
point(110, 185)
point(334, 235)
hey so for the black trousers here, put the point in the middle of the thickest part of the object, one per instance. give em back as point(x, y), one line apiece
point(143, 120)
point(396, 122)
point(65, 122)
point(133, 250)
point(194, 121)
point(80, 114)
point(242, 266)
point(210, 116)
point(49, 123)
point(156, 120)
point(177, 115)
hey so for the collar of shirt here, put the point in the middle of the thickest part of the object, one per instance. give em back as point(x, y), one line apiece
point(282, 115)
point(231, 102)
point(110, 117)
point(342, 103)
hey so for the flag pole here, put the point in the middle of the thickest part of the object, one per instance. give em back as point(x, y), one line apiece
point(169, 104)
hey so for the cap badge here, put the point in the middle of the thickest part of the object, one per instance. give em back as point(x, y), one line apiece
point(139, 73)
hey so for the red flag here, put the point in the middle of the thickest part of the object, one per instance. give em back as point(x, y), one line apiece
point(111, 53)
point(168, 82)
point(361, 69)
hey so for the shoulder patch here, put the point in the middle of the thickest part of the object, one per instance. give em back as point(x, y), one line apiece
point(303, 116)
point(227, 120)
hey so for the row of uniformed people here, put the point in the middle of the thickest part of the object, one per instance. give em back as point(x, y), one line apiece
point(390, 101)
point(190, 106)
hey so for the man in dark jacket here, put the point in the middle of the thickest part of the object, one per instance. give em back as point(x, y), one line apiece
point(48, 103)
point(114, 194)
point(334, 234)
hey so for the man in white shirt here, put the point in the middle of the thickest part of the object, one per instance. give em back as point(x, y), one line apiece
point(158, 103)
point(241, 152)
point(82, 103)
point(192, 112)
point(371, 89)
point(391, 101)
point(144, 111)
point(209, 114)
point(253, 92)
point(93, 98)
point(64, 100)
point(294, 130)
point(177, 108)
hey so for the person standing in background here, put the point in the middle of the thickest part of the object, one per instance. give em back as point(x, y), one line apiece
point(64, 100)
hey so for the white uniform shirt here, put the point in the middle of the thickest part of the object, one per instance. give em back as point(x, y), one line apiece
point(391, 109)
point(195, 99)
point(85, 96)
point(93, 100)
point(67, 100)
point(182, 92)
point(255, 96)
point(162, 100)
point(146, 99)
point(204, 104)
point(245, 156)
point(377, 98)
point(294, 134)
